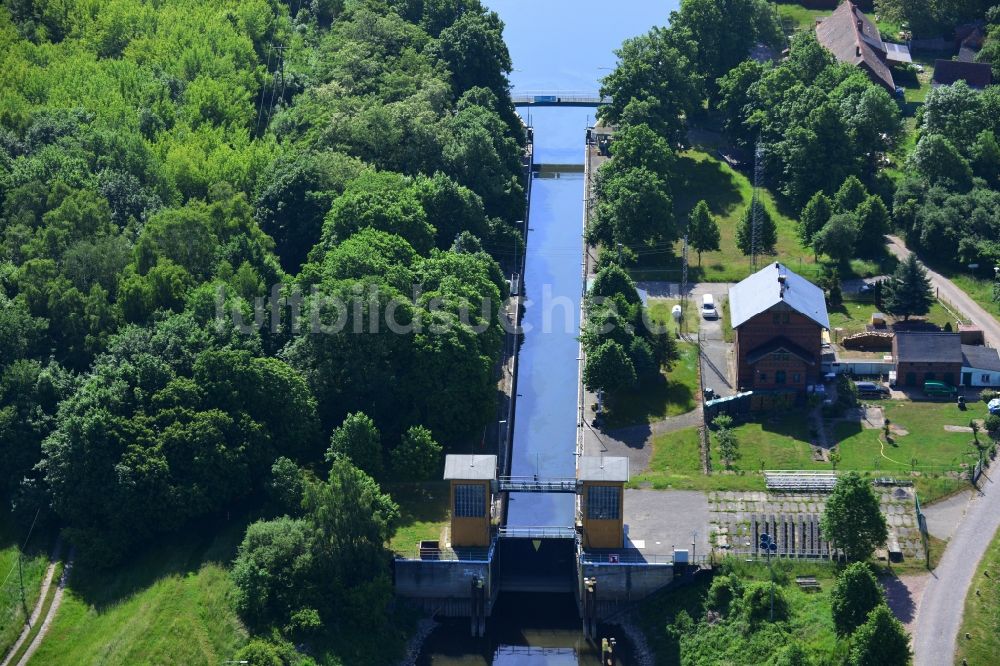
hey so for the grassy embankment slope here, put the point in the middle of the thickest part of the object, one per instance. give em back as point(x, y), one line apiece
point(169, 605)
point(702, 175)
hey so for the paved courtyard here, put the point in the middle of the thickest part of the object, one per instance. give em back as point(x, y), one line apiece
point(657, 521)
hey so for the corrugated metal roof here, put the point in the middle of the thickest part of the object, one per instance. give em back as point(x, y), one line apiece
point(602, 468)
point(470, 467)
point(762, 291)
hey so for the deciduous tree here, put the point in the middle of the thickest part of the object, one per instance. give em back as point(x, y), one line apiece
point(703, 231)
point(852, 519)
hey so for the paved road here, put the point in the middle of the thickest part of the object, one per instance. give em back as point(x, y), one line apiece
point(955, 296)
point(940, 614)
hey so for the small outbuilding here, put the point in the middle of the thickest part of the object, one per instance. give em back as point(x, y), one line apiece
point(602, 497)
point(976, 74)
point(927, 357)
point(980, 366)
point(472, 478)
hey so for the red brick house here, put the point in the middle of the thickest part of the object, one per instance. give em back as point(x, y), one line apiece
point(779, 318)
point(927, 357)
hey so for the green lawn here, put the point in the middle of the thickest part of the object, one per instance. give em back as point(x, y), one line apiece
point(809, 624)
point(423, 513)
point(676, 463)
point(795, 17)
point(701, 175)
point(675, 393)
point(33, 567)
point(982, 612)
point(853, 316)
point(928, 447)
point(170, 605)
point(779, 442)
point(659, 312)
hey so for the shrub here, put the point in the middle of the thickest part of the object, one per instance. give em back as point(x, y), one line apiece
point(988, 394)
point(722, 593)
point(756, 603)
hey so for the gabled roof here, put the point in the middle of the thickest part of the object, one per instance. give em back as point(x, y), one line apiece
point(912, 347)
point(765, 289)
point(976, 74)
point(780, 344)
point(981, 358)
point(854, 39)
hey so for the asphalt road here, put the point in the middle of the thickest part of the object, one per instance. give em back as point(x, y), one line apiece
point(941, 608)
point(956, 297)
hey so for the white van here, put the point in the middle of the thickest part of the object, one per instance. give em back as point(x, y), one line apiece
point(708, 310)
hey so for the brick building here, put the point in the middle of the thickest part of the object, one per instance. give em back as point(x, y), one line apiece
point(779, 318)
point(927, 357)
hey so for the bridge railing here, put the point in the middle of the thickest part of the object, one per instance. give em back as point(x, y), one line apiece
point(522, 98)
point(543, 532)
point(532, 484)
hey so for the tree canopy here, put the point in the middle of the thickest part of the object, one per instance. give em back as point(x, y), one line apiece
point(852, 519)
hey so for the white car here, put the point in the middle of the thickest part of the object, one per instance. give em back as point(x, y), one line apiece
point(993, 406)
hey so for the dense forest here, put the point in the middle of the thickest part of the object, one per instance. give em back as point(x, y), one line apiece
point(249, 258)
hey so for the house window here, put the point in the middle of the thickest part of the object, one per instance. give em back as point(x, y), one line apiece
point(763, 376)
point(602, 503)
point(779, 377)
point(470, 500)
point(796, 378)
point(985, 379)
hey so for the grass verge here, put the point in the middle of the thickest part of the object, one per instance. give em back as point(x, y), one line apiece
point(981, 619)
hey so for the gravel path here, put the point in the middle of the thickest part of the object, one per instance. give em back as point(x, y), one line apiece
point(956, 297)
point(939, 615)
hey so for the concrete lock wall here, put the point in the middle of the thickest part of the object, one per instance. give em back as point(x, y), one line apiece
point(628, 582)
point(440, 579)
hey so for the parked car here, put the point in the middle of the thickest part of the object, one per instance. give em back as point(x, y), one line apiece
point(708, 310)
point(871, 390)
point(866, 288)
point(993, 406)
point(939, 389)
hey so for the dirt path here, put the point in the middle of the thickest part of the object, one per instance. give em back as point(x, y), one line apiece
point(950, 292)
point(33, 618)
point(49, 616)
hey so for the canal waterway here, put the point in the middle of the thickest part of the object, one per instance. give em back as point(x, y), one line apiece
point(556, 46)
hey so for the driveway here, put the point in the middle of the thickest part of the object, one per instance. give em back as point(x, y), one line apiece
point(940, 612)
point(716, 360)
point(948, 291)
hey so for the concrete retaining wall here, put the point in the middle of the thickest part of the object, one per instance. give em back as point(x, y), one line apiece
point(444, 586)
point(628, 582)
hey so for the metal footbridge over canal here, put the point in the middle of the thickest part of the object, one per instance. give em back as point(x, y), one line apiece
point(559, 98)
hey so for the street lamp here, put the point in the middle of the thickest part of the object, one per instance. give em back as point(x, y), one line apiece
point(769, 546)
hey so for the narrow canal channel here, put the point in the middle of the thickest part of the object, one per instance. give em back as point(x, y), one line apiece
point(556, 46)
